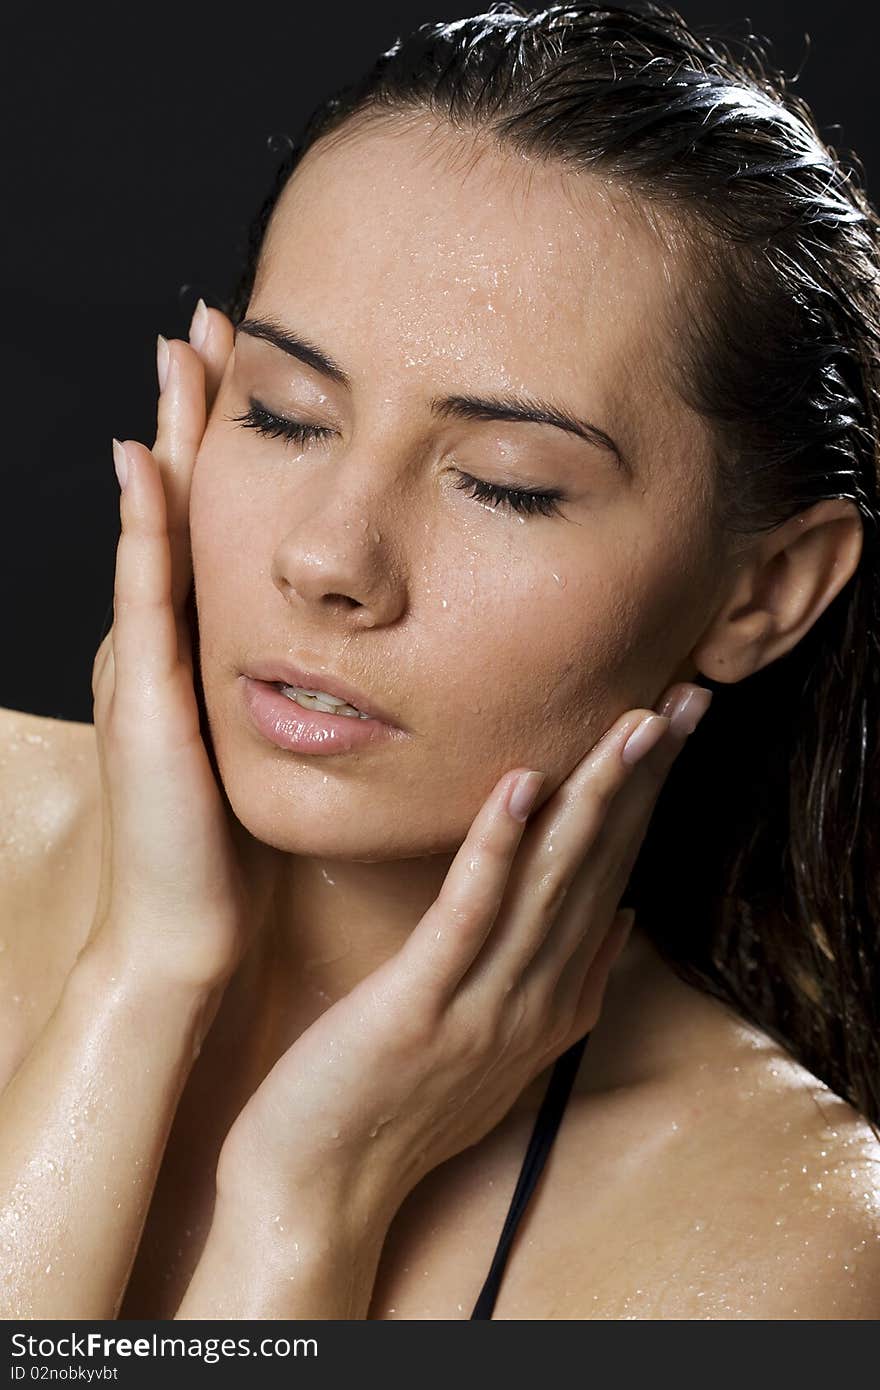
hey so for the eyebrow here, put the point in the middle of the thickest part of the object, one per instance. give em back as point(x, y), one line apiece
point(516, 408)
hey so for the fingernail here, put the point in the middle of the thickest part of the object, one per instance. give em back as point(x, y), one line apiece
point(198, 329)
point(162, 361)
point(120, 462)
point(688, 709)
point(524, 793)
point(643, 738)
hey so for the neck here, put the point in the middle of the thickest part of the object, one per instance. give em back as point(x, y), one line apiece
point(321, 926)
point(327, 924)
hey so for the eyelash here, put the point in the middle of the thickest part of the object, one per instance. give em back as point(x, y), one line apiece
point(521, 500)
point(258, 418)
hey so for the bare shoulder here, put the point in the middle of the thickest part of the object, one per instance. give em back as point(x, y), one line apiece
point(752, 1193)
point(701, 1173)
point(47, 772)
point(49, 856)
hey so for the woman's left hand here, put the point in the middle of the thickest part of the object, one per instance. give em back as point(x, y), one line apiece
point(427, 1053)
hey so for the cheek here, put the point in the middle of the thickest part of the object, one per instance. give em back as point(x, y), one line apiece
point(565, 662)
point(527, 665)
point(239, 489)
point(225, 527)
point(208, 536)
point(635, 626)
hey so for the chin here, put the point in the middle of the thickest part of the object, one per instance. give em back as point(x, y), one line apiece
point(325, 819)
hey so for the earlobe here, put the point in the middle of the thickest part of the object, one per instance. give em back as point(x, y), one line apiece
point(779, 588)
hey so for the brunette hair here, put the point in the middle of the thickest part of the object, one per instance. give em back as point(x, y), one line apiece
point(758, 877)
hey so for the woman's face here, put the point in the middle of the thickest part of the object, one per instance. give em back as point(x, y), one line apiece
point(427, 266)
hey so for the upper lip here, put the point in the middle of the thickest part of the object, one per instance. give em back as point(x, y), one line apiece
point(273, 670)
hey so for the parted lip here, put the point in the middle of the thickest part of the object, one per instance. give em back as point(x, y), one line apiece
point(273, 670)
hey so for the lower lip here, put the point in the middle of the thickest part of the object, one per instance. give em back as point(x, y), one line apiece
point(289, 725)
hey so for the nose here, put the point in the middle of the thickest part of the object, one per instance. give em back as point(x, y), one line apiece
point(340, 565)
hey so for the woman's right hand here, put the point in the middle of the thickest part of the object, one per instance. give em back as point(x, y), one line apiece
point(172, 892)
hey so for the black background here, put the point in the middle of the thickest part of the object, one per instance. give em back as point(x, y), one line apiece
point(136, 152)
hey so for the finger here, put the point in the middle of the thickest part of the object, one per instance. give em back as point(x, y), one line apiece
point(103, 679)
point(144, 628)
point(212, 336)
point(579, 998)
point(620, 838)
point(600, 882)
point(597, 883)
point(99, 665)
point(559, 839)
point(181, 420)
point(437, 953)
point(449, 937)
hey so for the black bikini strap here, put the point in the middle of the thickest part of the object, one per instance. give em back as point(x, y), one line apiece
point(544, 1132)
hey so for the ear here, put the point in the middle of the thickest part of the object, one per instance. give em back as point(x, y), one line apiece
point(780, 584)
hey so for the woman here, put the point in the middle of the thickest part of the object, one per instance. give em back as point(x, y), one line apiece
point(547, 407)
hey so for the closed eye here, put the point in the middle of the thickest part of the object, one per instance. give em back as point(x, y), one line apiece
point(529, 501)
point(264, 421)
point(526, 501)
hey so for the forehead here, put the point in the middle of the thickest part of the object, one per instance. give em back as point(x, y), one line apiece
point(443, 251)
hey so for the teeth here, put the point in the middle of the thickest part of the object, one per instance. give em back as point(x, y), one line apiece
point(318, 695)
point(317, 699)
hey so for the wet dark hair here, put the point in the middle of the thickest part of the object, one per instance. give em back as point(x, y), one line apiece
point(758, 878)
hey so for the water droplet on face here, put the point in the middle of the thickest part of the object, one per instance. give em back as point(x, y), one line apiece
point(560, 579)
